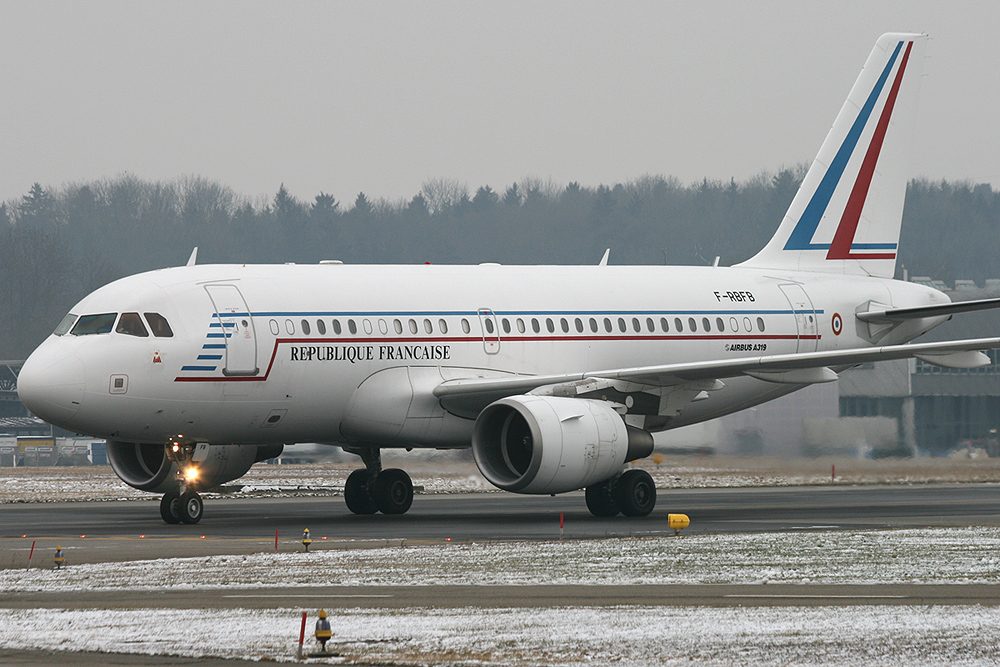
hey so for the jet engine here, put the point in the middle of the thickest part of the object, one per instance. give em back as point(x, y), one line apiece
point(147, 467)
point(546, 444)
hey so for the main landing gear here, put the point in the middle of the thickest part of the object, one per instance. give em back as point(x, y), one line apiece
point(632, 493)
point(375, 490)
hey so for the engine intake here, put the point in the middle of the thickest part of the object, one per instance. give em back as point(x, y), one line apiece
point(546, 444)
point(145, 466)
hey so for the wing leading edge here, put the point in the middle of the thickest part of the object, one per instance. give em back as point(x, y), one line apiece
point(473, 394)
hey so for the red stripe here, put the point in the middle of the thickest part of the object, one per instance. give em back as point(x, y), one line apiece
point(840, 247)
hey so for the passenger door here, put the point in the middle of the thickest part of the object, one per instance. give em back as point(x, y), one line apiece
point(234, 320)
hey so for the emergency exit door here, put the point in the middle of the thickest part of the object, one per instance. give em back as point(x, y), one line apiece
point(805, 317)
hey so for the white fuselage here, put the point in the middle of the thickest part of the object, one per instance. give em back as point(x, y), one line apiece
point(287, 366)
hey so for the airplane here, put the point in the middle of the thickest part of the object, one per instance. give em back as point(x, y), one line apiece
point(555, 376)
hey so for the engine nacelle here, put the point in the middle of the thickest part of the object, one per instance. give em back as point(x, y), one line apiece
point(546, 444)
point(146, 467)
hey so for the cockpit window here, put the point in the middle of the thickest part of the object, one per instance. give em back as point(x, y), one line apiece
point(159, 325)
point(94, 324)
point(65, 325)
point(131, 324)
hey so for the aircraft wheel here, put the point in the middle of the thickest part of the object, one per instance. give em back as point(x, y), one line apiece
point(599, 500)
point(393, 491)
point(191, 507)
point(170, 507)
point(357, 493)
point(635, 493)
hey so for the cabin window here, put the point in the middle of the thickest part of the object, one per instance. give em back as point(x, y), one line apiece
point(158, 325)
point(413, 326)
point(305, 327)
point(746, 324)
point(720, 324)
point(636, 325)
point(650, 324)
point(428, 327)
point(352, 327)
point(488, 323)
point(398, 326)
point(607, 324)
point(289, 327)
point(337, 329)
point(593, 325)
point(534, 325)
point(734, 325)
point(550, 325)
point(678, 325)
point(705, 324)
point(321, 327)
point(65, 325)
point(367, 323)
point(383, 326)
point(621, 325)
point(443, 326)
point(520, 325)
point(505, 323)
point(579, 325)
point(760, 323)
point(275, 330)
point(692, 324)
point(465, 325)
point(131, 324)
point(664, 325)
point(564, 324)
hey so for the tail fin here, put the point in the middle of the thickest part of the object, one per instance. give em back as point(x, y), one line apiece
point(846, 215)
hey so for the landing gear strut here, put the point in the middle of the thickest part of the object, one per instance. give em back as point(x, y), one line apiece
point(633, 494)
point(375, 490)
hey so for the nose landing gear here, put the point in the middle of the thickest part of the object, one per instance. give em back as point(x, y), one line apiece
point(183, 505)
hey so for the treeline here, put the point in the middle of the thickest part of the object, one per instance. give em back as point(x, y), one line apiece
point(58, 244)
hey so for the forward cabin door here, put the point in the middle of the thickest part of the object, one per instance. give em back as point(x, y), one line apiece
point(232, 317)
point(805, 317)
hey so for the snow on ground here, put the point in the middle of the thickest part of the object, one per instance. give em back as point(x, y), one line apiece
point(953, 555)
point(564, 636)
point(455, 472)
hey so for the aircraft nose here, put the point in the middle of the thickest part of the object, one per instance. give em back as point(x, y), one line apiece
point(51, 385)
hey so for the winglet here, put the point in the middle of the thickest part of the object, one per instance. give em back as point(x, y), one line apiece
point(193, 259)
point(604, 260)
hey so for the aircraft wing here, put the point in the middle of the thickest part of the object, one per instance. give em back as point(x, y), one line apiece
point(471, 395)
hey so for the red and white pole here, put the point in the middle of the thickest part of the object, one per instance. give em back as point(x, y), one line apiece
point(302, 634)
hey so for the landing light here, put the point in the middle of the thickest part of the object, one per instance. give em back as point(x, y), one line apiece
point(191, 474)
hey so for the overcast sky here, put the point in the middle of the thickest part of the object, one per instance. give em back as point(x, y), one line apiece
point(380, 96)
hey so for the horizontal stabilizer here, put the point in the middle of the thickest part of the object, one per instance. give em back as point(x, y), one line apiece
point(900, 314)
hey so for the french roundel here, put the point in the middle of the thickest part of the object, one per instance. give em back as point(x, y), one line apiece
point(838, 324)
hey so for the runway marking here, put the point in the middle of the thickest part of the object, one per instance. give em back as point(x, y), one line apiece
point(823, 597)
point(297, 595)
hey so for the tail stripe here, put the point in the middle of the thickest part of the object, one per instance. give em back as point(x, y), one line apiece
point(841, 247)
point(801, 236)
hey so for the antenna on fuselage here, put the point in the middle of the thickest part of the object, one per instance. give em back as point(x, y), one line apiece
point(604, 260)
point(193, 259)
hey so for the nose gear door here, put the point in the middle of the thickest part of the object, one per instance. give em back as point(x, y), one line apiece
point(232, 316)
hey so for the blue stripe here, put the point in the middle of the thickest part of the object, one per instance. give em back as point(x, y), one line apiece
point(873, 246)
point(220, 335)
point(198, 368)
point(801, 236)
point(213, 346)
point(224, 324)
point(209, 356)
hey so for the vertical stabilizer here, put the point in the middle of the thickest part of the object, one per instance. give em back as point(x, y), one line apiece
point(846, 215)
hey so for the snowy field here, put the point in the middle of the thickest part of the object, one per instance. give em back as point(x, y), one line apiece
point(457, 473)
point(952, 555)
point(896, 636)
